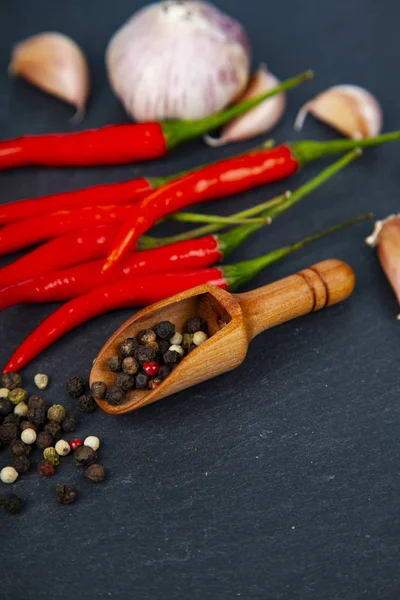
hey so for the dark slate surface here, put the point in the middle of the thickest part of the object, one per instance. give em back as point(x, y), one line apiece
point(281, 479)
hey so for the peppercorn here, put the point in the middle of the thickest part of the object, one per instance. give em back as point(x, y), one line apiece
point(21, 464)
point(44, 440)
point(84, 456)
point(75, 386)
point(12, 380)
point(87, 403)
point(95, 473)
point(99, 390)
point(69, 424)
point(51, 456)
point(45, 468)
point(114, 364)
point(28, 436)
point(177, 349)
point(172, 358)
point(21, 409)
point(128, 347)
point(151, 368)
point(191, 348)
point(130, 365)
point(41, 381)
point(4, 392)
point(18, 448)
point(37, 401)
point(154, 346)
point(124, 381)
point(27, 425)
point(199, 338)
point(187, 340)
point(165, 330)
point(146, 335)
point(141, 381)
point(163, 372)
point(115, 395)
point(177, 339)
point(65, 494)
point(54, 429)
point(11, 503)
point(75, 443)
point(62, 448)
point(14, 419)
point(163, 346)
point(8, 475)
point(154, 383)
point(56, 413)
point(37, 413)
point(196, 324)
point(17, 395)
point(92, 442)
point(8, 432)
point(6, 407)
point(144, 354)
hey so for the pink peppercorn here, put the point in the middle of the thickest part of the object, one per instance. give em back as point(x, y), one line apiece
point(75, 443)
point(151, 368)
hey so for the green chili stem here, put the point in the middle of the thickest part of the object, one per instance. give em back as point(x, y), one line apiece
point(188, 217)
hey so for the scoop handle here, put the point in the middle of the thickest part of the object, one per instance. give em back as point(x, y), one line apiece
point(321, 285)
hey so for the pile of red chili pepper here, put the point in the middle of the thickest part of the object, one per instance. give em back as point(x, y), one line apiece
point(92, 253)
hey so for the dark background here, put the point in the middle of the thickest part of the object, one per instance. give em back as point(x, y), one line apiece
point(279, 480)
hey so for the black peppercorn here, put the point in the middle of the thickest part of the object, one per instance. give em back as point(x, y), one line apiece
point(163, 346)
point(69, 424)
point(87, 403)
point(124, 381)
point(196, 324)
point(114, 363)
point(21, 464)
point(165, 330)
point(18, 448)
point(144, 354)
point(44, 440)
point(99, 390)
point(8, 432)
point(11, 503)
point(54, 429)
point(27, 425)
point(37, 401)
point(128, 347)
point(75, 386)
point(142, 381)
point(146, 335)
point(6, 407)
point(12, 380)
point(163, 372)
point(65, 494)
point(37, 414)
point(14, 419)
point(95, 473)
point(115, 395)
point(84, 456)
point(130, 365)
point(172, 358)
point(153, 345)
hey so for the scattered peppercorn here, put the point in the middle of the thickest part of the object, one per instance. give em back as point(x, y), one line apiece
point(8, 432)
point(27, 425)
point(37, 401)
point(21, 464)
point(128, 347)
point(124, 381)
point(99, 390)
point(141, 381)
point(95, 473)
point(151, 368)
point(165, 330)
point(46, 469)
point(62, 448)
point(41, 381)
point(84, 456)
point(37, 410)
point(6, 406)
point(196, 324)
point(51, 456)
point(146, 335)
point(11, 503)
point(54, 429)
point(44, 440)
point(172, 358)
point(17, 395)
point(28, 436)
point(12, 380)
point(92, 442)
point(130, 365)
point(65, 494)
point(18, 448)
point(75, 386)
point(69, 424)
point(21, 409)
point(144, 354)
point(75, 443)
point(115, 395)
point(14, 419)
point(8, 475)
point(56, 413)
point(114, 363)
point(87, 403)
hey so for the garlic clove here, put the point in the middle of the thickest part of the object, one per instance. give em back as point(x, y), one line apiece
point(386, 238)
point(350, 109)
point(54, 63)
point(260, 119)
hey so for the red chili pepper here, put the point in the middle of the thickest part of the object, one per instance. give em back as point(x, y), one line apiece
point(121, 144)
point(145, 290)
point(225, 178)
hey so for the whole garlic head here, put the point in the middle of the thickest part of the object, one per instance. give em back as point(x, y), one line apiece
point(178, 60)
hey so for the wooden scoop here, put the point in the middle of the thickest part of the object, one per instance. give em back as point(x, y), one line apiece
point(233, 321)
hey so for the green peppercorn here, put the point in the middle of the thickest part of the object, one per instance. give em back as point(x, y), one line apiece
point(6, 407)
point(95, 473)
point(146, 335)
point(17, 395)
point(12, 380)
point(84, 456)
point(187, 340)
point(75, 386)
point(128, 347)
point(65, 494)
point(99, 390)
point(115, 395)
point(196, 324)
point(114, 364)
point(124, 381)
point(21, 464)
point(54, 429)
point(56, 413)
point(51, 456)
point(87, 403)
point(44, 440)
point(18, 448)
point(11, 503)
point(165, 330)
point(8, 432)
point(69, 424)
point(144, 354)
point(130, 365)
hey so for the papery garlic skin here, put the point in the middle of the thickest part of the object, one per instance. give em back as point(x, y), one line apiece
point(260, 119)
point(386, 238)
point(350, 109)
point(178, 60)
point(54, 63)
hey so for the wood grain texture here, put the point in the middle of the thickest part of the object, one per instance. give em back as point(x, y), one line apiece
point(233, 320)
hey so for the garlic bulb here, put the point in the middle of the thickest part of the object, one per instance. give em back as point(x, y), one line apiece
point(348, 108)
point(179, 59)
point(55, 64)
point(258, 120)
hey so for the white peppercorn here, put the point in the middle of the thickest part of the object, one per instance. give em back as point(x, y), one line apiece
point(41, 381)
point(92, 442)
point(8, 475)
point(199, 338)
point(62, 448)
point(4, 392)
point(178, 349)
point(21, 409)
point(176, 339)
point(28, 436)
